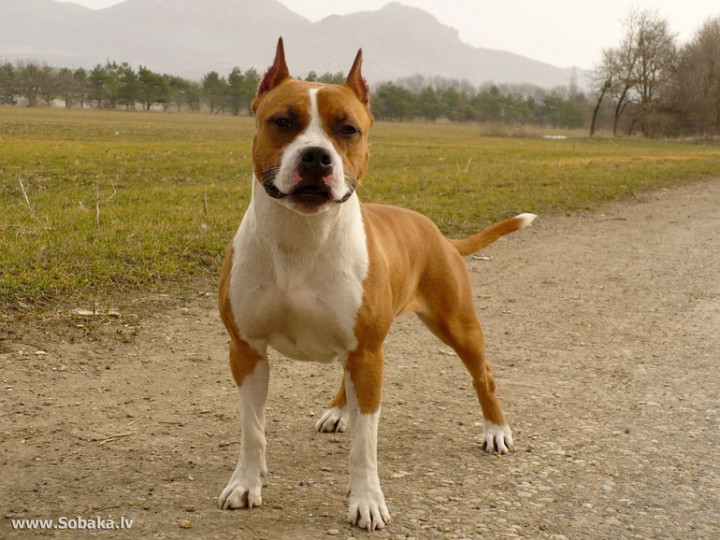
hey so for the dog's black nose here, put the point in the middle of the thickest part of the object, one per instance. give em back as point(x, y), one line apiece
point(317, 161)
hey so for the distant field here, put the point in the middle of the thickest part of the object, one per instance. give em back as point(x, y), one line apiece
point(96, 204)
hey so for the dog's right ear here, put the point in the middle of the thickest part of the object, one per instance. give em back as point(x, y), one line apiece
point(276, 73)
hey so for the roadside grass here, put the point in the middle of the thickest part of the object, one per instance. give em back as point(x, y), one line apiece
point(99, 205)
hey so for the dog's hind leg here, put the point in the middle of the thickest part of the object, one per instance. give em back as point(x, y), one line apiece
point(449, 313)
point(335, 418)
point(467, 339)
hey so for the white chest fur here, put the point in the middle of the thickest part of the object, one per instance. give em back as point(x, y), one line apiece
point(297, 280)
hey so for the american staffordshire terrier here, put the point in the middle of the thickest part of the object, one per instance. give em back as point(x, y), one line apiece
point(316, 275)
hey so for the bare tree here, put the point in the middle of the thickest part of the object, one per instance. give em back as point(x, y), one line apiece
point(697, 84)
point(656, 56)
point(638, 67)
point(605, 87)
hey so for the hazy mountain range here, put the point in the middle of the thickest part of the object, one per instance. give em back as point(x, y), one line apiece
point(192, 37)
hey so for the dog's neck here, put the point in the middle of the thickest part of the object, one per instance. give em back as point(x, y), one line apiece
point(294, 232)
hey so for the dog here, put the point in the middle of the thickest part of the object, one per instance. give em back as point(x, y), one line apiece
point(316, 275)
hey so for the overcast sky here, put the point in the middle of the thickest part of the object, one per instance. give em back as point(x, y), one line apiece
point(564, 33)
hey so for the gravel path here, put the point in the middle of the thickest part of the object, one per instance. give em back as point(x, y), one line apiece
point(602, 330)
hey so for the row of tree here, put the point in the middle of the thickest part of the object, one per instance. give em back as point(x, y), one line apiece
point(118, 85)
point(646, 83)
point(653, 85)
point(458, 101)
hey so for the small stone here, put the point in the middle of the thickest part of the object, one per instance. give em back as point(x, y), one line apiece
point(185, 524)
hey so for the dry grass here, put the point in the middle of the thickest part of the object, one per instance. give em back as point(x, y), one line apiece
point(97, 204)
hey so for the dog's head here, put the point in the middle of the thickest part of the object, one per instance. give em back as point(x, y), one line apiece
point(310, 149)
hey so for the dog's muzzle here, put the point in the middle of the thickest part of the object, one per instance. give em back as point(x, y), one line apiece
point(315, 164)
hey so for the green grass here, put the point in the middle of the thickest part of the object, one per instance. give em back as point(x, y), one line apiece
point(133, 202)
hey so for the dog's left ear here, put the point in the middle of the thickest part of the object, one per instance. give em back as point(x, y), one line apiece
point(356, 82)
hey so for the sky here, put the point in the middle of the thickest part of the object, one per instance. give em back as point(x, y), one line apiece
point(563, 33)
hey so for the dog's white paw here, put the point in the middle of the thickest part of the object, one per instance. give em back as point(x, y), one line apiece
point(241, 493)
point(333, 420)
point(367, 510)
point(497, 439)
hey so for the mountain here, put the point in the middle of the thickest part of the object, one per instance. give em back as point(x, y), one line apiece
point(192, 37)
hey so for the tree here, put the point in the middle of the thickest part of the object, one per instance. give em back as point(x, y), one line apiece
point(214, 90)
point(80, 84)
point(427, 104)
point(96, 81)
point(455, 105)
point(183, 92)
point(605, 87)
point(657, 54)
point(29, 82)
point(154, 88)
point(252, 81)
point(66, 86)
point(696, 93)
point(638, 67)
point(490, 104)
point(519, 110)
point(48, 89)
point(112, 83)
point(327, 77)
point(332, 78)
point(391, 102)
point(236, 91)
point(574, 111)
point(128, 86)
point(8, 83)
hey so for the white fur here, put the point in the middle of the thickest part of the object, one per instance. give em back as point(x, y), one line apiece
point(333, 420)
point(367, 507)
point(296, 281)
point(246, 482)
point(527, 219)
point(314, 135)
point(497, 439)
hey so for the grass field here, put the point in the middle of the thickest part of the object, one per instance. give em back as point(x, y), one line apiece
point(97, 204)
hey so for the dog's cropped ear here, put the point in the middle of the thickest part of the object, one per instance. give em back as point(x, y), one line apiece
point(356, 82)
point(276, 73)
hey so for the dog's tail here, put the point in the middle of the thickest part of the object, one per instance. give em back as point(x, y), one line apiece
point(474, 243)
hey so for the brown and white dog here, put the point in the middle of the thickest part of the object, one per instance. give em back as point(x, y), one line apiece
point(317, 275)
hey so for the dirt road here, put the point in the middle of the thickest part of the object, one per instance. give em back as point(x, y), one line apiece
point(603, 330)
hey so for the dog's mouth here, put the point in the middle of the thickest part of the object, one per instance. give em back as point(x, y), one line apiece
point(310, 197)
point(311, 191)
point(308, 194)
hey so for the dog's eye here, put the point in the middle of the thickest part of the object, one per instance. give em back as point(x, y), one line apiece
point(349, 130)
point(282, 122)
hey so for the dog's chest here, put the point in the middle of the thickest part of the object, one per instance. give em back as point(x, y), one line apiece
point(303, 301)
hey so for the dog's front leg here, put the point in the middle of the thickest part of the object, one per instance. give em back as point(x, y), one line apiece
point(363, 386)
point(252, 374)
